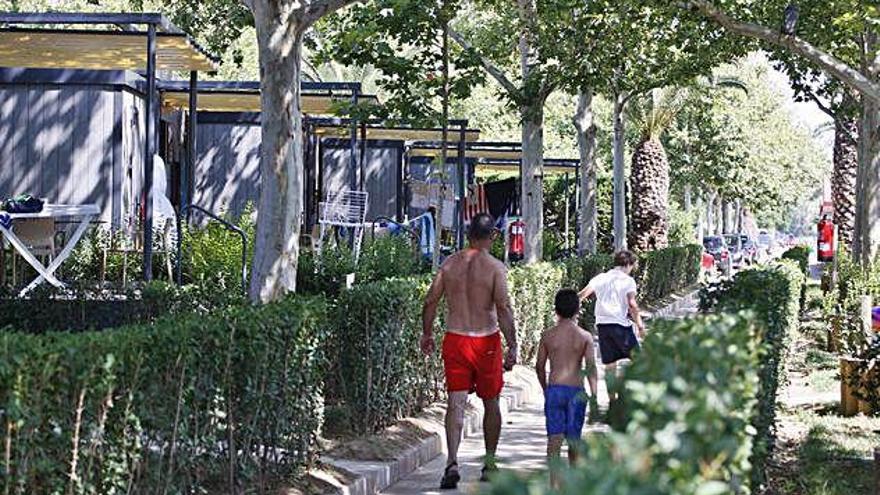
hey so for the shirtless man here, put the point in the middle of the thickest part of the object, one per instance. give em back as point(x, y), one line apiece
point(475, 287)
point(570, 351)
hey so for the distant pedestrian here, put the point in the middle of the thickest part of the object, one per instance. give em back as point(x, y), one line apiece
point(618, 319)
point(570, 351)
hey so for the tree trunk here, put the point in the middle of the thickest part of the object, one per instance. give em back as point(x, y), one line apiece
point(619, 194)
point(532, 114)
point(688, 199)
point(719, 215)
point(649, 186)
point(701, 214)
point(843, 179)
point(586, 129)
point(533, 180)
point(868, 185)
point(276, 250)
point(711, 220)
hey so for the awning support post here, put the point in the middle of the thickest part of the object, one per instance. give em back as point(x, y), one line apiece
point(151, 120)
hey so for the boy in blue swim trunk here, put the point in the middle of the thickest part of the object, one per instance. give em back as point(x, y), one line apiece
point(570, 351)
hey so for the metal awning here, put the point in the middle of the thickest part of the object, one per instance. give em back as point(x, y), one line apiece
point(249, 101)
point(134, 41)
point(493, 156)
point(402, 133)
point(99, 50)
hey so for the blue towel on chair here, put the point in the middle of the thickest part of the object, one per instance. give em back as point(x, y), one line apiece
point(5, 220)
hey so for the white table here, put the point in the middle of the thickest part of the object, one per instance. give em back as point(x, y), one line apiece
point(83, 214)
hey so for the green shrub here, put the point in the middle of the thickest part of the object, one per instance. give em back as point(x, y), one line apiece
point(389, 257)
point(378, 373)
point(773, 295)
point(381, 258)
point(801, 256)
point(189, 405)
point(665, 271)
point(691, 396)
point(212, 254)
point(78, 309)
point(532, 291)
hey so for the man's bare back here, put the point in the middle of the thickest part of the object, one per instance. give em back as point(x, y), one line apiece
point(567, 347)
point(474, 285)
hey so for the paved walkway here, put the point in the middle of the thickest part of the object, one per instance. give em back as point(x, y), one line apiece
point(522, 447)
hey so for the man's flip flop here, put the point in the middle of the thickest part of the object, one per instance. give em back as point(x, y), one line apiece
point(450, 477)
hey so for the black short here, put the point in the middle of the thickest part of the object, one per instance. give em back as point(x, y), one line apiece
point(616, 342)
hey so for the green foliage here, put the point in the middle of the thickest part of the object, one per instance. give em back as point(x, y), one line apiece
point(212, 253)
point(188, 405)
point(681, 226)
point(842, 308)
point(801, 256)
point(532, 291)
point(691, 396)
point(378, 373)
point(662, 272)
point(773, 294)
point(80, 309)
point(381, 258)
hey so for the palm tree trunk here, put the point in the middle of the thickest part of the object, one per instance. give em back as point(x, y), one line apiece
point(843, 178)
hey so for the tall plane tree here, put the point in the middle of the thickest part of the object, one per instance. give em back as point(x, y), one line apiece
point(851, 59)
point(625, 49)
point(281, 25)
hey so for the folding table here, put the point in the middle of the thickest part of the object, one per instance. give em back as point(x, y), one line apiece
point(83, 214)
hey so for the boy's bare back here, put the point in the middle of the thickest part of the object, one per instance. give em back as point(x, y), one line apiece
point(567, 347)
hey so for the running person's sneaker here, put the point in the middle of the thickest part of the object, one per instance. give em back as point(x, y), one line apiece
point(450, 477)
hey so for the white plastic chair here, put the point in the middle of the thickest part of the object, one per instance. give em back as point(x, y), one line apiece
point(344, 209)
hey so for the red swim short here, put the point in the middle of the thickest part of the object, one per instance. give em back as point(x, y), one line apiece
point(473, 364)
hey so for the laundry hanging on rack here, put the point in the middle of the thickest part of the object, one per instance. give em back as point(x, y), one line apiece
point(425, 225)
point(502, 197)
point(475, 202)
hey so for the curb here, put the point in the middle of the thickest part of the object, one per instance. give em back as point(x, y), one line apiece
point(370, 477)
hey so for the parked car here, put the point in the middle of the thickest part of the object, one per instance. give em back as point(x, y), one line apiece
point(734, 246)
point(715, 246)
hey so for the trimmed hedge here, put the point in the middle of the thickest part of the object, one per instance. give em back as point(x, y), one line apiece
point(700, 399)
point(801, 256)
point(183, 405)
point(773, 294)
point(377, 372)
point(666, 271)
point(532, 291)
point(77, 310)
point(690, 394)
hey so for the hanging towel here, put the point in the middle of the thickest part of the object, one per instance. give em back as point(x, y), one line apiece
point(476, 202)
point(502, 197)
point(425, 224)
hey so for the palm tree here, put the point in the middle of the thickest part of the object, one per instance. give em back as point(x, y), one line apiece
point(843, 175)
point(653, 114)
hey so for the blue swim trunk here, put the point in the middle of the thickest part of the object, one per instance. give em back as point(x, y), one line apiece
point(565, 408)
